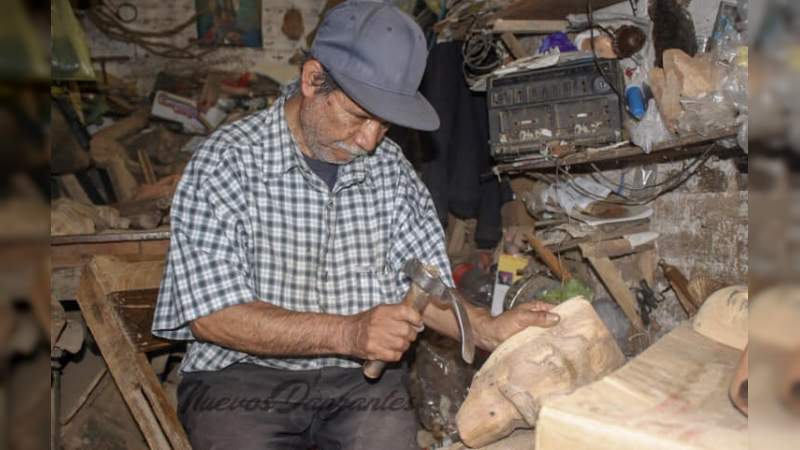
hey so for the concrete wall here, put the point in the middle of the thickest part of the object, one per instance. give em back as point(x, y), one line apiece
point(704, 224)
point(271, 60)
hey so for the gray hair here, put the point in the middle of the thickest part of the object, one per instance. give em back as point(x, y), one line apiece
point(323, 81)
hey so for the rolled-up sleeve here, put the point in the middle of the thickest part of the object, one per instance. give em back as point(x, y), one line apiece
point(207, 265)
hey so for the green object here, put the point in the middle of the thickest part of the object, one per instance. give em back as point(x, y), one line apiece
point(571, 288)
point(70, 58)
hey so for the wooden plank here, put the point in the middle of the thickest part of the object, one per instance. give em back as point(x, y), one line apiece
point(673, 396)
point(686, 145)
point(77, 254)
point(549, 258)
point(73, 188)
point(136, 309)
point(155, 248)
point(647, 261)
point(529, 26)
point(614, 248)
point(513, 45)
point(147, 167)
point(64, 282)
point(550, 9)
point(131, 370)
point(612, 279)
point(145, 235)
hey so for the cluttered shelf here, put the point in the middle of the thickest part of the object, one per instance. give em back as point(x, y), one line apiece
point(686, 145)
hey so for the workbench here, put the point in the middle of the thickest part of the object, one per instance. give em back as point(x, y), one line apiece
point(70, 253)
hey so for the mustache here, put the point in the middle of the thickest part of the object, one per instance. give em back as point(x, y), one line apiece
point(352, 149)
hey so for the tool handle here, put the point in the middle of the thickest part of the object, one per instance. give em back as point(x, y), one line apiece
point(548, 257)
point(419, 300)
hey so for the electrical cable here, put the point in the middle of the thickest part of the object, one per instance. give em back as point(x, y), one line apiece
point(634, 8)
point(677, 180)
point(590, 23)
point(104, 18)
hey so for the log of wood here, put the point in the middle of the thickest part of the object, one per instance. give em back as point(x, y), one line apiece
point(723, 317)
point(110, 155)
point(673, 396)
point(533, 365)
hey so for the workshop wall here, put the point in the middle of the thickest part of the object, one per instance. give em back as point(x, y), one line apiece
point(703, 225)
point(703, 12)
point(272, 59)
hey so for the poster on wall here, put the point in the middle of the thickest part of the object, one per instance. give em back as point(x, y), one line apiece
point(229, 23)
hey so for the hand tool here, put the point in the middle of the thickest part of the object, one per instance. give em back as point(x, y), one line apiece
point(427, 286)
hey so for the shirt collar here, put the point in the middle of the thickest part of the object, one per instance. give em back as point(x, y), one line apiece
point(288, 156)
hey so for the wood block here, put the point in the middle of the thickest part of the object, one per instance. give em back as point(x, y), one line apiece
point(667, 92)
point(533, 365)
point(696, 75)
point(723, 317)
point(672, 396)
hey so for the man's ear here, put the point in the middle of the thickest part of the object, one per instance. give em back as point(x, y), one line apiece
point(312, 71)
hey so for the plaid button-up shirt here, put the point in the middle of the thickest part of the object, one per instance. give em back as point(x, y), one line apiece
point(251, 222)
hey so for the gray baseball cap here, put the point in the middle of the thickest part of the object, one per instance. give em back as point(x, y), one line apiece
point(377, 55)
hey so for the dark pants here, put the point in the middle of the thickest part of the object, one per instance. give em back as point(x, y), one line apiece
point(251, 407)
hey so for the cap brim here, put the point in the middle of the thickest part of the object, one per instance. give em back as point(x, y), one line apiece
point(408, 111)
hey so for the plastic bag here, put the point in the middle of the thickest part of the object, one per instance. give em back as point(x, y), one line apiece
point(706, 114)
point(650, 130)
point(70, 57)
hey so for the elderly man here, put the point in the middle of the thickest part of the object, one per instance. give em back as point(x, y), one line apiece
point(290, 229)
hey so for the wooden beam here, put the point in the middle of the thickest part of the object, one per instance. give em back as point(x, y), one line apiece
point(529, 26)
point(614, 248)
point(130, 368)
point(513, 45)
point(674, 396)
point(686, 145)
point(612, 279)
point(73, 188)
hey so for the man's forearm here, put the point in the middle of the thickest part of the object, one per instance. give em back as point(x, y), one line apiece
point(260, 328)
point(443, 321)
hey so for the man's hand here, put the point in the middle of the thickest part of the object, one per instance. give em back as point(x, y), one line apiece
point(533, 314)
point(384, 332)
